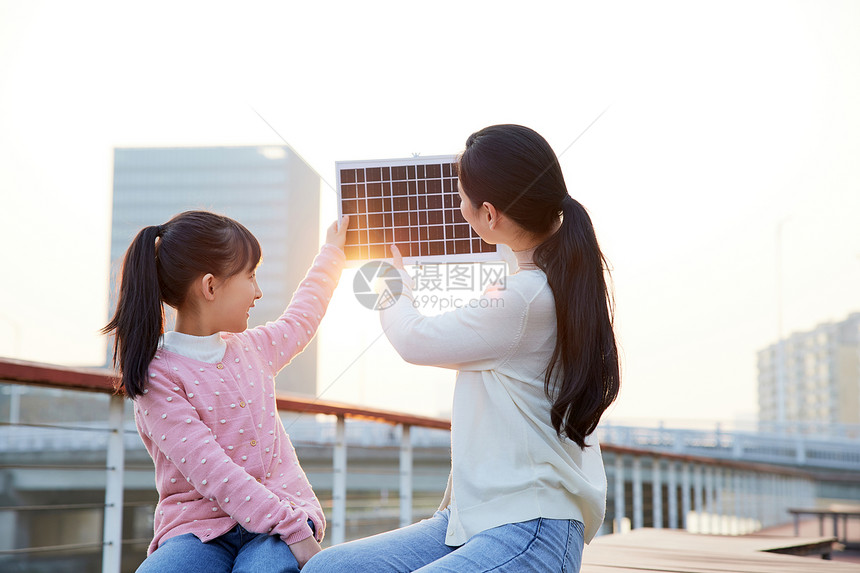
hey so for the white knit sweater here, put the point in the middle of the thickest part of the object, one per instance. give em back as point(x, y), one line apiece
point(508, 463)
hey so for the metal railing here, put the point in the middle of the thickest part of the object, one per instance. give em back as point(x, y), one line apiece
point(836, 452)
point(646, 488)
point(114, 437)
point(698, 494)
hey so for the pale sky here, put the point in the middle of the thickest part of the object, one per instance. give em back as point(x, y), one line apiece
point(725, 119)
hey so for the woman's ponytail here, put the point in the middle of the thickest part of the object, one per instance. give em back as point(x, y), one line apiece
point(583, 376)
point(515, 169)
point(139, 318)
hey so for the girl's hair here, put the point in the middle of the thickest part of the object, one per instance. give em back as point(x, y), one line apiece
point(514, 168)
point(159, 267)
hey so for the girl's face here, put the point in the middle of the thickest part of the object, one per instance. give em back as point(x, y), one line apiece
point(234, 299)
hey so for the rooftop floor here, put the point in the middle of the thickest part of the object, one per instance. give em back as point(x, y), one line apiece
point(672, 551)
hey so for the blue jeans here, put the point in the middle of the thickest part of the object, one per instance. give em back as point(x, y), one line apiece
point(540, 545)
point(237, 551)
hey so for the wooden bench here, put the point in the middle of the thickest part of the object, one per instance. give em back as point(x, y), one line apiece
point(835, 513)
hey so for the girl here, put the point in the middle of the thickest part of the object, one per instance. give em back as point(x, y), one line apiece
point(231, 493)
point(537, 366)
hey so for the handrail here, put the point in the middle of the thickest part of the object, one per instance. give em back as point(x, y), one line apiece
point(102, 380)
point(68, 377)
point(715, 462)
point(315, 406)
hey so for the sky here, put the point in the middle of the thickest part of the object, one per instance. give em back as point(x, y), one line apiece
point(724, 122)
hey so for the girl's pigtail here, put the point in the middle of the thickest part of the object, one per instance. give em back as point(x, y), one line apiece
point(139, 318)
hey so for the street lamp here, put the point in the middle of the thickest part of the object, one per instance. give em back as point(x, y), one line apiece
point(780, 345)
point(16, 329)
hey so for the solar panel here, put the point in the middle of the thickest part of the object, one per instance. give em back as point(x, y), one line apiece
point(412, 203)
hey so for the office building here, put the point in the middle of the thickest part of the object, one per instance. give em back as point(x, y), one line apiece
point(812, 382)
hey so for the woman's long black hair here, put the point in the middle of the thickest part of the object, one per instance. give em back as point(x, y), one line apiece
point(514, 168)
point(159, 267)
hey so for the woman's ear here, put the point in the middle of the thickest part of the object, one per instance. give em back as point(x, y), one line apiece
point(207, 286)
point(492, 215)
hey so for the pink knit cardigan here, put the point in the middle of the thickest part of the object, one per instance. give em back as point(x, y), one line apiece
point(221, 454)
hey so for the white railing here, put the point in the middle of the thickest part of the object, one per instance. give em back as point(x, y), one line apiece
point(647, 488)
point(799, 450)
point(115, 435)
point(698, 494)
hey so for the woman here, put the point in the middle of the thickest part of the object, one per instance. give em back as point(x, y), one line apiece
point(537, 367)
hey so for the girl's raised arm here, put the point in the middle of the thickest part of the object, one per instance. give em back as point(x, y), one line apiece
point(287, 336)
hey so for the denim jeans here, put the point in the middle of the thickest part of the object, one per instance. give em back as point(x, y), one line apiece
point(540, 545)
point(237, 551)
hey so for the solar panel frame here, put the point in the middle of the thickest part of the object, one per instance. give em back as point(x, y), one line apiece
point(411, 202)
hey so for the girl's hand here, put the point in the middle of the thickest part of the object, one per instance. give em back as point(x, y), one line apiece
point(336, 233)
point(305, 549)
point(397, 258)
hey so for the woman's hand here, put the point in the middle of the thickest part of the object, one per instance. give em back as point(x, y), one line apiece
point(336, 233)
point(305, 549)
point(397, 258)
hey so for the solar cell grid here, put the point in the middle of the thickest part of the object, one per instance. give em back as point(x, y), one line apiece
point(410, 202)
